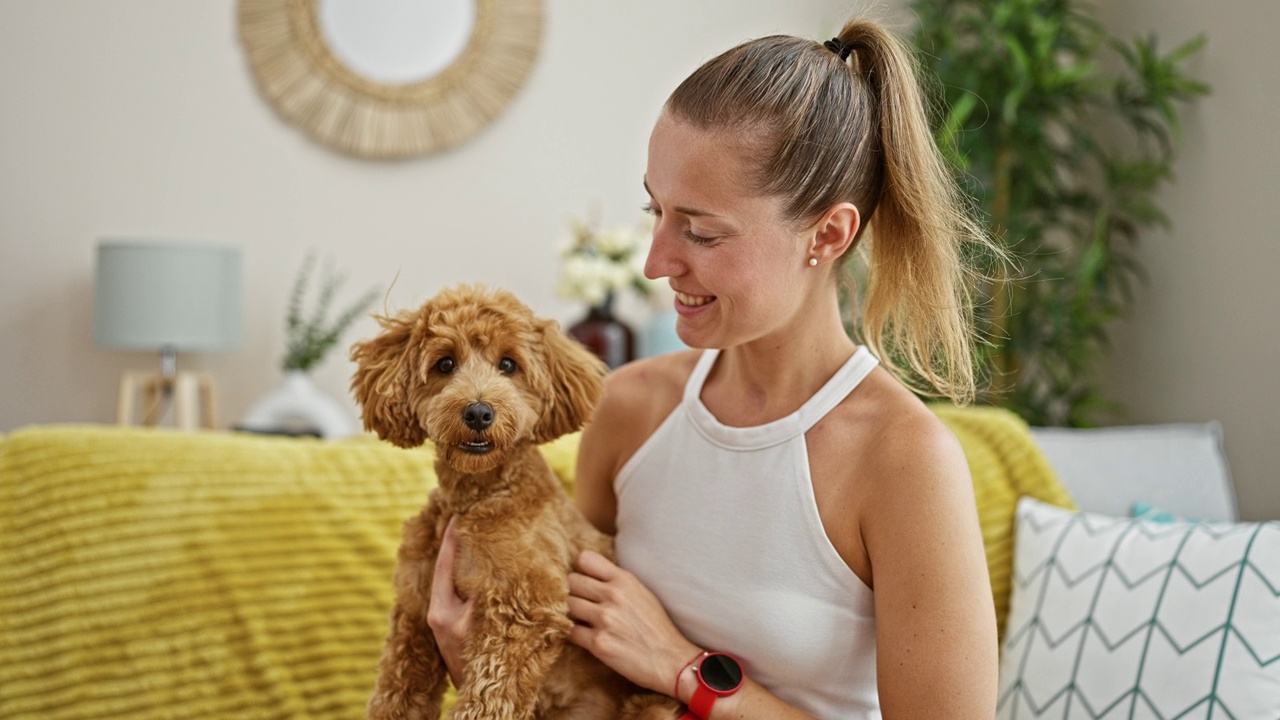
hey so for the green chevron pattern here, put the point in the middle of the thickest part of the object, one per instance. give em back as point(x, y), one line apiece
point(1120, 618)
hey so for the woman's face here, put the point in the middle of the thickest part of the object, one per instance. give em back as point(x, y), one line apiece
point(738, 269)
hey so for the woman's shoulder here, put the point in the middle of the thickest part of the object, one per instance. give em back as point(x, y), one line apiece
point(655, 383)
point(637, 398)
point(914, 459)
point(902, 439)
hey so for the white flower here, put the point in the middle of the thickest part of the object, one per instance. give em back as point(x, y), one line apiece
point(619, 242)
point(596, 264)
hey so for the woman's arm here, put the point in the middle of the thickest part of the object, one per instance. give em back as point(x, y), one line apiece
point(935, 619)
point(448, 615)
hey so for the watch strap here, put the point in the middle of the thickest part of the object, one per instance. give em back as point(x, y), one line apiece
point(702, 702)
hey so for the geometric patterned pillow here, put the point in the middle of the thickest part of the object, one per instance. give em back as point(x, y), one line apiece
point(1124, 618)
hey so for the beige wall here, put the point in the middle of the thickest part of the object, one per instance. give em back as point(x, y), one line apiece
point(140, 117)
point(1204, 340)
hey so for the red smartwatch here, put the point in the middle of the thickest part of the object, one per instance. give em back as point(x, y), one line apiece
point(719, 675)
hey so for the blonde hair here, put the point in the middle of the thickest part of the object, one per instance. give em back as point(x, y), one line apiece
point(826, 130)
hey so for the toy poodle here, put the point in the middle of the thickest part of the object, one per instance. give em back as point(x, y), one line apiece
point(486, 381)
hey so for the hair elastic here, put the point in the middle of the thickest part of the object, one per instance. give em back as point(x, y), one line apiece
point(839, 47)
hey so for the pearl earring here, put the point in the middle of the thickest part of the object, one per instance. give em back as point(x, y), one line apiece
point(813, 262)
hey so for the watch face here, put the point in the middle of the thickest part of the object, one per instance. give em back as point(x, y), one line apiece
point(721, 672)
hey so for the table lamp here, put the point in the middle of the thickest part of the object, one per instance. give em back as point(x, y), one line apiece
point(167, 296)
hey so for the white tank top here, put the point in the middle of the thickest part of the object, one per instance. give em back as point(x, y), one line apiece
point(721, 523)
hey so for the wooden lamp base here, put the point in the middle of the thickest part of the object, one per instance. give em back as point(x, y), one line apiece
point(191, 394)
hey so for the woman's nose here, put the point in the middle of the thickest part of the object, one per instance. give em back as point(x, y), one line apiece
point(661, 261)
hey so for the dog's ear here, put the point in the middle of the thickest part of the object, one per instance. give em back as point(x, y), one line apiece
point(577, 382)
point(382, 380)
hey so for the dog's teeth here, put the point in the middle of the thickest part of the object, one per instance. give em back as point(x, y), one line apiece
point(475, 448)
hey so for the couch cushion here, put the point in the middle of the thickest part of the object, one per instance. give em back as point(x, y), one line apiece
point(1117, 617)
point(1180, 468)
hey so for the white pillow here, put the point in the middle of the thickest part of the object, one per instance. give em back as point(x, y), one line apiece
point(1180, 468)
point(1121, 618)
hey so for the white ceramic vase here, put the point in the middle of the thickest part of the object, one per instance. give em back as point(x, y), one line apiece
point(298, 407)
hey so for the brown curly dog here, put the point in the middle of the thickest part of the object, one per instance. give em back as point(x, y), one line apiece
point(476, 373)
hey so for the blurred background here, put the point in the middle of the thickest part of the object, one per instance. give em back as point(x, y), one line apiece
point(141, 118)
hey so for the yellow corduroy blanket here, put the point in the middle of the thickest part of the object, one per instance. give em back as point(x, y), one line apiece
point(156, 574)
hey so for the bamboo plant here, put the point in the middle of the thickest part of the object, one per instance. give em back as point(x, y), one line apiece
point(1063, 135)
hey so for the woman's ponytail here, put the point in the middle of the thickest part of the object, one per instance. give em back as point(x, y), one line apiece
point(918, 303)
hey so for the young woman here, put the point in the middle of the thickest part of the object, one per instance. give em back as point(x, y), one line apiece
point(781, 500)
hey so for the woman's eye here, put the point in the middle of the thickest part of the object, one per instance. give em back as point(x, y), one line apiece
point(445, 365)
point(507, 366)
point(697, 239)
point(648, 208)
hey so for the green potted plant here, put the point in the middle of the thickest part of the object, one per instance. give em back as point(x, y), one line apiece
point(1064, 134)
point(298, 406)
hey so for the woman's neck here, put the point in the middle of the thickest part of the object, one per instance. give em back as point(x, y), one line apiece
point(772, 376)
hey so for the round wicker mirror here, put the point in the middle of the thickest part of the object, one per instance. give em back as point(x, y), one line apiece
point(378, 94)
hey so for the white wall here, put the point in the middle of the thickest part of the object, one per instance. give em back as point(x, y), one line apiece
point(141, 117)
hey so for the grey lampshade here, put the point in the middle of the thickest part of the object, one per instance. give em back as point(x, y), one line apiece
point(153, 294)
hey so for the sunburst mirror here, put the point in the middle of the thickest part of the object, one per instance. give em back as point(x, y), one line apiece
point(390, 78)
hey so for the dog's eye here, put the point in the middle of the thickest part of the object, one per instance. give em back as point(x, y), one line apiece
point(507, 366)
point(445, 365)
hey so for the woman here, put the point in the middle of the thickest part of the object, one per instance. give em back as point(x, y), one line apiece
point(781, 496)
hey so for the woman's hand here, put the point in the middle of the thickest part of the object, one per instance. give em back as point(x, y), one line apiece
point(448, 615)
point(622, 623)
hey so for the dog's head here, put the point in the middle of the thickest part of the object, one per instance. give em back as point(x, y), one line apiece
point(478, 374)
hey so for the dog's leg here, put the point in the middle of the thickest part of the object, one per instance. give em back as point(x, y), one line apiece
point(411, 675)
point(520, 632)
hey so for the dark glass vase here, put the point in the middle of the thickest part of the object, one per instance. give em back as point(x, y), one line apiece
point(605, 335)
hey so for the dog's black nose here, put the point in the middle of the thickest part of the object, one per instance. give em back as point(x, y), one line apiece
point(478, 416)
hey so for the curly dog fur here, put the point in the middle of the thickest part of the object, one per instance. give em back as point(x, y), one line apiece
point(476, 373)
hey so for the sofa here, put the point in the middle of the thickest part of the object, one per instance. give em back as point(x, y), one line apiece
point(148, 573)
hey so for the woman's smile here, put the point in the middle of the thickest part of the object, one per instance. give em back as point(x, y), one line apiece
point(692, 301)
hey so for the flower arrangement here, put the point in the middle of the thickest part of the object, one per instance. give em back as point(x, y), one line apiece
point(309, 338)
point(600, 264)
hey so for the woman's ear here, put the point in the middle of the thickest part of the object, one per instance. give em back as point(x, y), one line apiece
point(382, 380)
point(576, 379)
point(835, 232)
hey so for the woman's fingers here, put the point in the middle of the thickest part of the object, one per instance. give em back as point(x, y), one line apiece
point(597, 566)
point(584, 612)
point(586, 587)
point(621, 622)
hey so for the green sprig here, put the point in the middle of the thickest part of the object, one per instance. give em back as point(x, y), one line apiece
point(308, 340)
